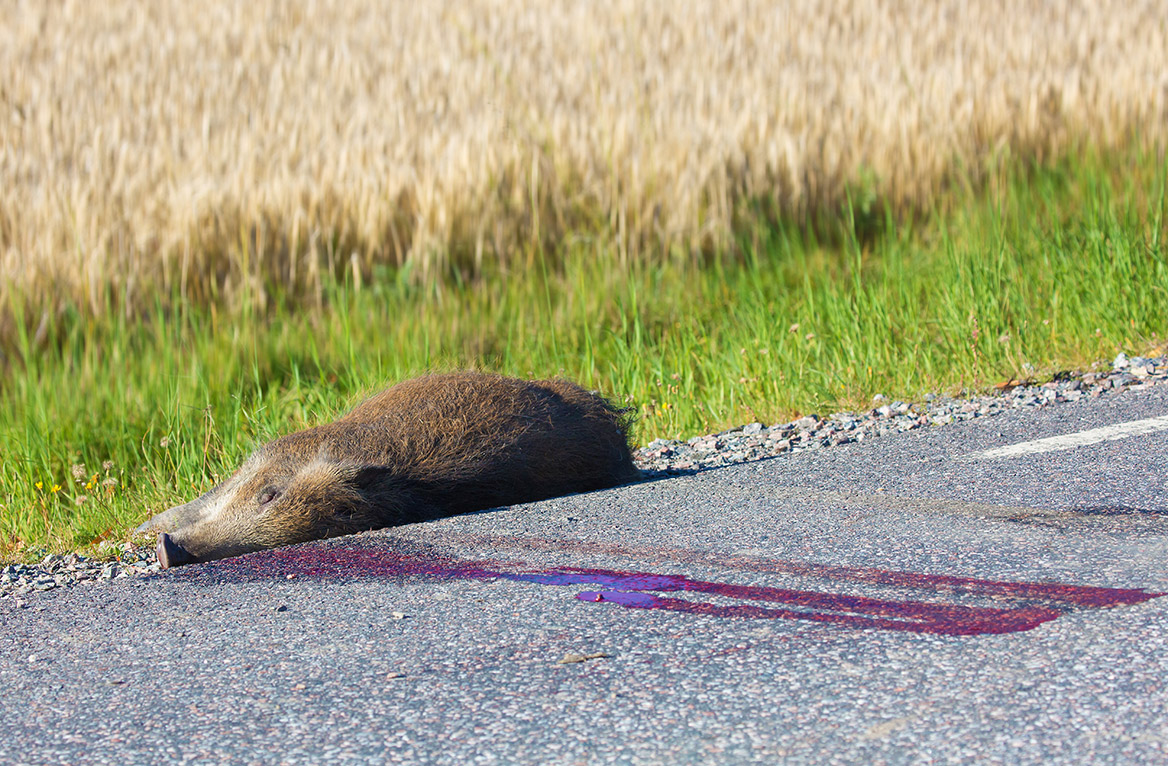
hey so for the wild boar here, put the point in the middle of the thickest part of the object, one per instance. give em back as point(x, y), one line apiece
point(434, 446)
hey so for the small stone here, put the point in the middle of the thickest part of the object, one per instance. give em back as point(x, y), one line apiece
point(807, 422)
point(1121, 362)
point(281, 608)
point(572, 658)
point(750, 429)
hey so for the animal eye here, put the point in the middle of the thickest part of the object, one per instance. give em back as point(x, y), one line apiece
point(268, 495)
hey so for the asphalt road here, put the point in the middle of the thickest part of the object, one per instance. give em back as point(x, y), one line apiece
point(910, 599)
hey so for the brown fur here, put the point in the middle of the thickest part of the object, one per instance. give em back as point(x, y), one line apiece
point(429, 447)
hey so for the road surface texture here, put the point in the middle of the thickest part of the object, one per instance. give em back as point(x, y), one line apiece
point(984, 592)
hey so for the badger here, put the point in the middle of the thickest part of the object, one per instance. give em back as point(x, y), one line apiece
point(434, 446)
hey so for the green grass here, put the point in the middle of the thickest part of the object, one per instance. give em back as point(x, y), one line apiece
point(1049, 269)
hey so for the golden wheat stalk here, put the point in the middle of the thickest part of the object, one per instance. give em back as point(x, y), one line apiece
point(202, 146)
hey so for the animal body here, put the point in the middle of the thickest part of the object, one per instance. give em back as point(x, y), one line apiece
point(433, 446)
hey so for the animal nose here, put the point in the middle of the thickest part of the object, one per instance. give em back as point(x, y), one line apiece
point(171, 554)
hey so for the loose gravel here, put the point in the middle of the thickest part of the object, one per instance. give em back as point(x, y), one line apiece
point(669, 457)
point(755, 441)
point(67, 570)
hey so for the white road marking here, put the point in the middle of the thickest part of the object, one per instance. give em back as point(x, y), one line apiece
point(1080, 439)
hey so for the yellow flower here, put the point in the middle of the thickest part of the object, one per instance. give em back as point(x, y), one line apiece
point(56, 488)
point(38, 485)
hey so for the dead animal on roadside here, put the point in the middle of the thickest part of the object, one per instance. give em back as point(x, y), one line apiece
point(434, 446)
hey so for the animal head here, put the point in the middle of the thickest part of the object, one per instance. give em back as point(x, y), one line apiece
point(272, 500)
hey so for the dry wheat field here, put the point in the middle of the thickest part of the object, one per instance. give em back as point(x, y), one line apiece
point(196, 147)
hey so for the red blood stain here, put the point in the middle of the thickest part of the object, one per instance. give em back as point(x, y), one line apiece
point(628, 590)
point(1026, 605)
point(1071, 595)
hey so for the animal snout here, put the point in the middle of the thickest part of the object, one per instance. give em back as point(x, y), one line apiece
point(171, 554)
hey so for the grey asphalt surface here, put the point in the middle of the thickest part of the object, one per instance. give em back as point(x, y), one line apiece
point(893, 601)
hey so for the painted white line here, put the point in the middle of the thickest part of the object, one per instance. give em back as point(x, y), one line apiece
point(1081, 439)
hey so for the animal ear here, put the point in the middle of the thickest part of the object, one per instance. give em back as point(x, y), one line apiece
point(351, 473)
point(397, 499)
point(369, 476)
